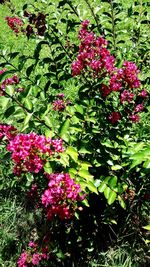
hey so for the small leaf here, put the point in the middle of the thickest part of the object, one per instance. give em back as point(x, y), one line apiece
point(28, 104)
point(48, 168)
point(72, 153)
point(112, 181)
point(63, 131)
point(30, 69)
point(9, 111)
point(85, 174)
point(102, 187)
point(112, 197)
point(121, 202)
point(107, 192)
point(147, 227)
point(116, 167)
point(92, 187)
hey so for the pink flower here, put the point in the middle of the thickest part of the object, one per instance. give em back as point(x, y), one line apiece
point(144, 93)
point(114, 117)
point(32, 244)
point(139, 107)
point(36, 259)
point(14, 23)
point(59, 105)
point(126, 95)
point(61, 196)
point(131, 74)
point(7, 131)
point(28, 151)
point(22, 261)
point(134, 118)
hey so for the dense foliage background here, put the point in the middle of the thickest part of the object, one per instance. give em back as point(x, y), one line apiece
point(99, 109)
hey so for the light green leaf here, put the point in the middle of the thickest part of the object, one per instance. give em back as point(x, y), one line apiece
point(85, 174)
point(102, 187)
point(107, 192)
point(146, 164)
point(92, 187)
point(147, 227)
point(112, 197)
point(72, 153)
point(48, 168)
point(63, 131)
point(121, 202)
point(116, 167)
point(28, 104)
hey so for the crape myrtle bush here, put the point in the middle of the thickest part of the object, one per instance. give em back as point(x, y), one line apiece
point(76, 163)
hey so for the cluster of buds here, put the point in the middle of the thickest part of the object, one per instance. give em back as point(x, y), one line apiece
point(61, 196)
point(60, 103)
point(14, 23)
point(8, 81)
point(7, 131)
point(37, 22)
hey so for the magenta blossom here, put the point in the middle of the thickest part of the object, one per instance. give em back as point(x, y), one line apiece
point(114, 117)
point(134, 118)
point(61, 196)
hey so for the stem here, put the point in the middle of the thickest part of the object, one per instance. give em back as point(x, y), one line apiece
point(94, 16)
point(113, 26)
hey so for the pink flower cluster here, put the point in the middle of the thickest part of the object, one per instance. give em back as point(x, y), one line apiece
point(61, 196)
point(28, 151)
point(59, 104)
point(114, 117)
point(8, 81)
point(14, 23)
point(95, 59)
point(32, 257)
point(7, 131)
point(93, 54)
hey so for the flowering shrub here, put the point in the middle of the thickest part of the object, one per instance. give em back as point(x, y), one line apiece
point(87, 164)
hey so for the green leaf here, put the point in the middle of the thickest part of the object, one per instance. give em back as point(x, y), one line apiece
point(116, 167)
point(79, 109)
point(146, 164)
point(72, 153)
point(28, 104)
point(107, 192)
point(85, 174)
point(102, 187)
point(9, 111)
point(112, 181)
point(48, 121)
point(147, 227)
point(26, 121)
point(92, 187)
point(121, 202)
point(63, 131)
point(30, 69)
point(112, 197)
point(48, 168)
